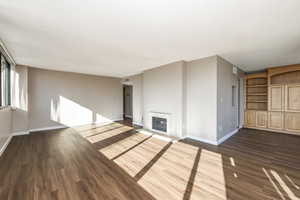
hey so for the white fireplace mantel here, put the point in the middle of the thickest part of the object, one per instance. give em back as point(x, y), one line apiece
point(167, 116)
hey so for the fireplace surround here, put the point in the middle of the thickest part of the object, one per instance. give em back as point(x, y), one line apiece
point(160, 122)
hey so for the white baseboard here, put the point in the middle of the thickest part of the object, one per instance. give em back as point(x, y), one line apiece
point(119, 119)
point(38, 129)
point(63, 126)
point(105, 123)
point(128, 116)
point(202, 140)
point(227, 136)
point(137, 123)
point(47, 128)
point(220, 141)
point(5, 144)
point(20, 133)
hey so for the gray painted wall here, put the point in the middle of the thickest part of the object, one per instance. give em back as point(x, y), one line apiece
point(198, 91)
point(228, 111)
point(201, 104)
point(163, 92)
point(62, 98)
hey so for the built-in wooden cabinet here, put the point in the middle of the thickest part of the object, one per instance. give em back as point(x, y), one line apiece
point(292, 98)
point(275, 120)
point(292, 121)
point(261, 119)
point(276, 98)
point(255, 118)
point(250, 118)
point(272, 100)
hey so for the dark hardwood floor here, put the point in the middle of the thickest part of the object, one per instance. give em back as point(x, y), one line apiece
point(116, 161)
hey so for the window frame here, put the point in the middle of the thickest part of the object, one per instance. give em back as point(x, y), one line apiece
point(5, 82)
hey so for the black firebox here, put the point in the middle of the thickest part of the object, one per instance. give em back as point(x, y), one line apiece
point(159, 124)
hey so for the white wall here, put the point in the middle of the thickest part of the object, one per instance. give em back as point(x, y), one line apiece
point(5, 127)
point(62, 98)
point(163, 92)
point(201, 102)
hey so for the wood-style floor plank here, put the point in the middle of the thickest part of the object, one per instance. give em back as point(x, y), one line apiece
point(116, 161)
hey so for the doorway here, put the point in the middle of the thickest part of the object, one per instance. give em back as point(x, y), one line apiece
point(127, 101)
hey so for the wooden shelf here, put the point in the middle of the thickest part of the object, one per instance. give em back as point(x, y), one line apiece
point(256, 86)
point(257, 94)
point(257, 109)
point(262, 101)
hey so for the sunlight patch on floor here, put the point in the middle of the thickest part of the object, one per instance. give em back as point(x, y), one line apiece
point(273, 184)
point(136, 159)
point(94, 129)
point(122, 146)
point(210, 176)
point(283, 185)
point(158, 136)
point(292, 182)
point(108, 134)
point(173, 174)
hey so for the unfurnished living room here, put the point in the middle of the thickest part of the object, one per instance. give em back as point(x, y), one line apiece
point(150, 99)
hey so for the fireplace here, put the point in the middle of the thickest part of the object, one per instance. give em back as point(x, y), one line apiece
point(160, 122)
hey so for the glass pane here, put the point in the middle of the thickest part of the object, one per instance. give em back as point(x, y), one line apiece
point(5, 82)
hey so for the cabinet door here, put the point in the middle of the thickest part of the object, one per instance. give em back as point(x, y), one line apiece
point(292, 121)
point(250, 116)
point(276, 98)
point(292, 98)
point(261, 119)
point(275, 120)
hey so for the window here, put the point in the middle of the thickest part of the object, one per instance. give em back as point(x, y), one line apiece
point(5, 86)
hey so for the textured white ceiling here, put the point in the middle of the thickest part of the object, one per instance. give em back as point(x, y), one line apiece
point(119, 37)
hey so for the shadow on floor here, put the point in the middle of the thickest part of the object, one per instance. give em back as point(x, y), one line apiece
point(250, 165)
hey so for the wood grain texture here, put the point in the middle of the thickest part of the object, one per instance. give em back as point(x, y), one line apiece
point(115, 161)
point(282, 101)
point(292, 77)
point(282, 69)
point(256, 91)
point(62, 165)
point(261, 119)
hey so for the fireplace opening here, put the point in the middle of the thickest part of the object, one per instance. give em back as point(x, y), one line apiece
point(159, 124)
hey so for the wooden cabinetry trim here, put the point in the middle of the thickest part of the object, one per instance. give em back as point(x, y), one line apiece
point(265, 119)
point(270, 98)
point(257, 75)
point(281, 121)
point(286, 122)
point(283, 69)
point(286, 96)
